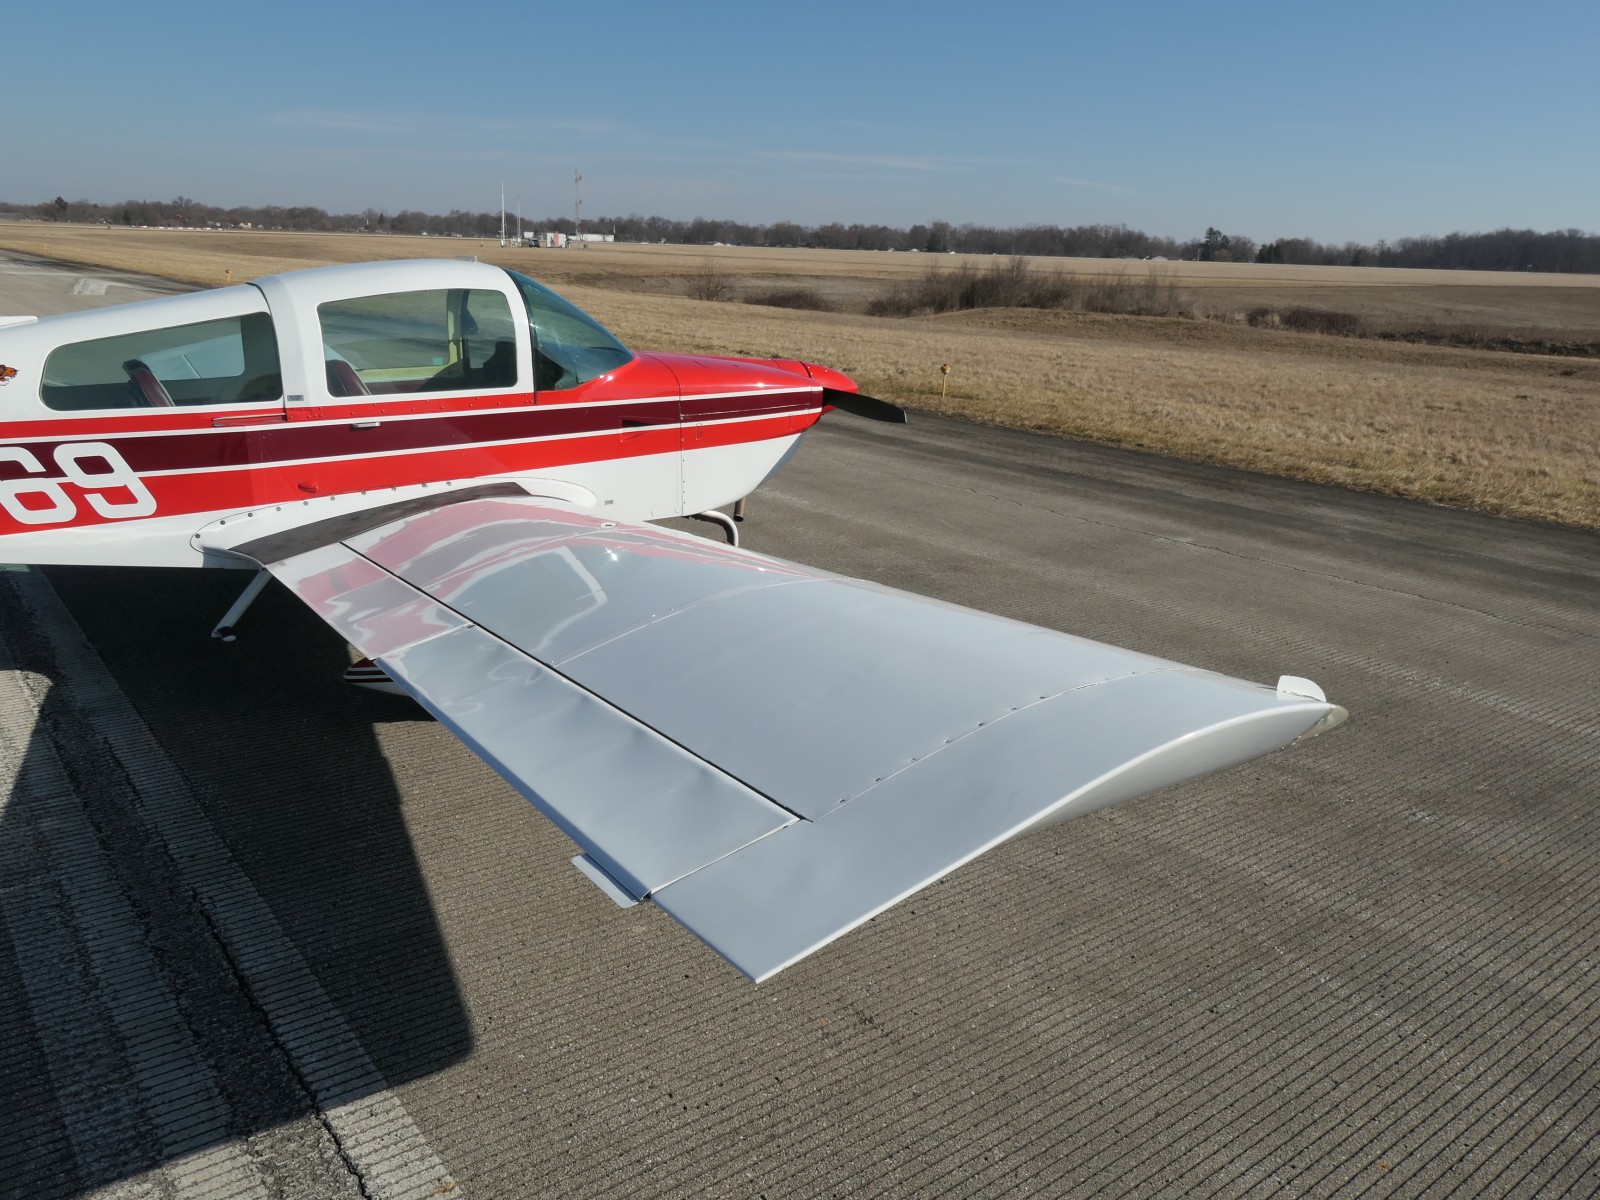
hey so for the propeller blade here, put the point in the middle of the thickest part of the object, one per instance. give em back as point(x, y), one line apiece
point(864, 406)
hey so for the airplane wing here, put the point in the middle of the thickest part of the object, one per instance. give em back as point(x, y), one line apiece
point(771, 753)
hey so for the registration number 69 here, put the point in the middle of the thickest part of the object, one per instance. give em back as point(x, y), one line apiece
point(107, 482)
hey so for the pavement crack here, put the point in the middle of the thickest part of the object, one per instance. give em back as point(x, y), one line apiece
point(307, 1091)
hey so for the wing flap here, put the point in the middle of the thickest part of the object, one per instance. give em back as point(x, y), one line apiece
point(645, 808)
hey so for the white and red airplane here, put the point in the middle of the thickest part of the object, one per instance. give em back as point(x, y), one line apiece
point(454, 466)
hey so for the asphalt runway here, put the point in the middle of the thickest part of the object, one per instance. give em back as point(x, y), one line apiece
point(35, 287)
point(268, 935)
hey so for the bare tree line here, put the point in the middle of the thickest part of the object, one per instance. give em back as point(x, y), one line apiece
point(1569, 250)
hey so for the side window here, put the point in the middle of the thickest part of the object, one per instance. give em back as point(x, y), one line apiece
point(453, 340)
point(229, 361)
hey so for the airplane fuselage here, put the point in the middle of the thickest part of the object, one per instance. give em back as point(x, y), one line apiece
point(100, 462)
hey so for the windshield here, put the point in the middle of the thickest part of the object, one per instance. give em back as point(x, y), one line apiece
point(571, 347)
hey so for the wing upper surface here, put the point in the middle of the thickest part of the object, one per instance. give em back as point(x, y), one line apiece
point(772, 753)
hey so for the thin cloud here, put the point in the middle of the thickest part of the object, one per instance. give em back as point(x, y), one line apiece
point(370, 124)
point(896, 162)
point(916, 163)
point(1096, 184)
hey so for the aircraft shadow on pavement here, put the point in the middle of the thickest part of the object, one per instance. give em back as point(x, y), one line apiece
point(188, 961)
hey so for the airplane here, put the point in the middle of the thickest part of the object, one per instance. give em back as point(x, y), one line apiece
point(458, 470)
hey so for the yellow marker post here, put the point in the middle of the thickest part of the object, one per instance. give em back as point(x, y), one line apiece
point(944, 370)
point(229, 274)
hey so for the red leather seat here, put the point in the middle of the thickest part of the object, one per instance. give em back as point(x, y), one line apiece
point(150, 390)
point(343, 380)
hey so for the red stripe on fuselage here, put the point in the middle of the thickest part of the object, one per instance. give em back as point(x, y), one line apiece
point(278, 464)
point(314, 437)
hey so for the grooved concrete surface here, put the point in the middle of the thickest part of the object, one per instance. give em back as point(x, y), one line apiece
point(292, 940)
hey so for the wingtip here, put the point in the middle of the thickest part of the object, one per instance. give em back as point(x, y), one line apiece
point(1296, 685)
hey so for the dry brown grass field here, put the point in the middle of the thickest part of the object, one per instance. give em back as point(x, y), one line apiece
point(1513, 434)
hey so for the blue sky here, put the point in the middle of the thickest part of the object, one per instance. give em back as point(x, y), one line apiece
point(1341, 121)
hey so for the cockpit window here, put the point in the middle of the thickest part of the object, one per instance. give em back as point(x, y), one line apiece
point(572, 347)
point(442, 340)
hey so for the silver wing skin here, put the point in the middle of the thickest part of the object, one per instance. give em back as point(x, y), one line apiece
point(771, 753)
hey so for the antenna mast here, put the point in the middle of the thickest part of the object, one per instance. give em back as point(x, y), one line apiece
point(502, 213)
point(577, 203)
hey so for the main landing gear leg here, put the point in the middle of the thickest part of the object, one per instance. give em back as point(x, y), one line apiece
point(724, 520)
point(224, 629)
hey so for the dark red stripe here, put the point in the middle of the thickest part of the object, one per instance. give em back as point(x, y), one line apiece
point(297, 440)
point(765, 404)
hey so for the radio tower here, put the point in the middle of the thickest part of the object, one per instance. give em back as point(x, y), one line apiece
point(577, 204)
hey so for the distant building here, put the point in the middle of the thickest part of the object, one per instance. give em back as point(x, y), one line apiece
point(551, 240)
